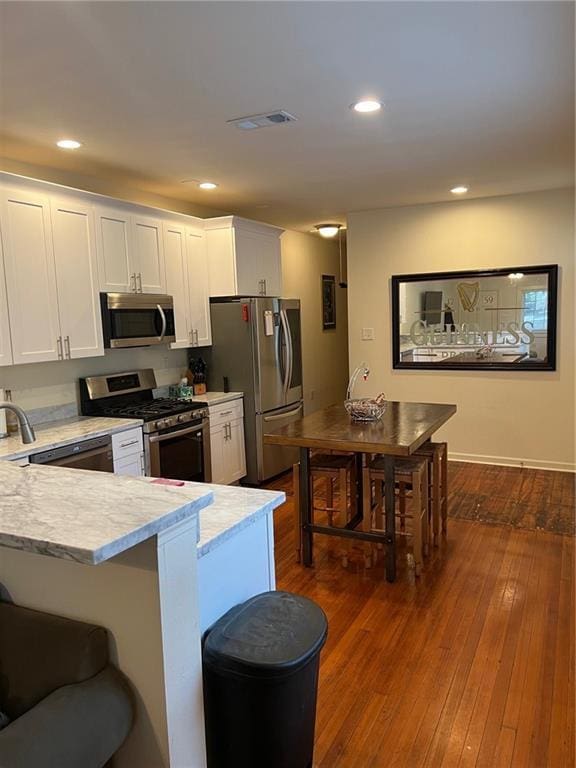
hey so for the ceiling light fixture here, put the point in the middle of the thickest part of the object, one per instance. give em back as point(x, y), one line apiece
point(207, 185)
point(328, 230)
point(68, 144)
point(459, 190)
point(368, 105)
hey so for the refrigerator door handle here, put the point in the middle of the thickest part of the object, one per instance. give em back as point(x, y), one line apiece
point(286, 414)
point(288, 345)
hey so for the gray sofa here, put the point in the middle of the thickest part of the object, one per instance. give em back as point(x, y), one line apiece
point(66, 706)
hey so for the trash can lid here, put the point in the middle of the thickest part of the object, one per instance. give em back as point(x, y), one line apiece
point(270, 635)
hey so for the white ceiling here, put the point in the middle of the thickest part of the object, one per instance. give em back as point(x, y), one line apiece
point(480, 93)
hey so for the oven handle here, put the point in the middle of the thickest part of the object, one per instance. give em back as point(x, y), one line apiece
point(164, 325)
point(176, 433)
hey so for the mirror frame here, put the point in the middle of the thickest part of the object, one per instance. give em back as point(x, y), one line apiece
point(551, 270)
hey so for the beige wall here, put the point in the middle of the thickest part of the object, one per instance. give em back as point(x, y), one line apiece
point(305, 258)
point(516, 417)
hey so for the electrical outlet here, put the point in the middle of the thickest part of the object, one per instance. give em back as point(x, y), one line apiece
point(367, 334)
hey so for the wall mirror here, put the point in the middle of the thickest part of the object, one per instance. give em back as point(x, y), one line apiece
point(499, 319)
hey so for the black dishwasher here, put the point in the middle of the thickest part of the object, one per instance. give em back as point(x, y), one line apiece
point(94, 454)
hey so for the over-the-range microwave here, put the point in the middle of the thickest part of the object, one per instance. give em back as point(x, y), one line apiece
point(137, 319)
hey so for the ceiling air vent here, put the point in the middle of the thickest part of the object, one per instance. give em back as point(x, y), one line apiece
point(264, 120)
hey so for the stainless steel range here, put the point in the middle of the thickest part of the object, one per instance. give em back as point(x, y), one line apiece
point(176, 432)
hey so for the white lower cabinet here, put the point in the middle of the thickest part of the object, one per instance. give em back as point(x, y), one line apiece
point(131, 465)
point(128, 452)
point(227, 449)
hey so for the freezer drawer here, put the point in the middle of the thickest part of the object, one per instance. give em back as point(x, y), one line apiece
point(274, 459)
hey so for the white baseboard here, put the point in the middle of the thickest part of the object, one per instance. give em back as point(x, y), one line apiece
point(505, 461)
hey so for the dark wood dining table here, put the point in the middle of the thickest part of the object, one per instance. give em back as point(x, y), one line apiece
point(403, 428)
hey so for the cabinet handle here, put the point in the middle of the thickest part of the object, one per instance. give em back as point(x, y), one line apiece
point(265, 288)
point(195, 337)
point(225, 413)
point(139, 282)
point(59, 348)
point(132, 442)
point(67, 347)
point(133, 282)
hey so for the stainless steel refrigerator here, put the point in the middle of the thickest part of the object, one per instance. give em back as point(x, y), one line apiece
point(256, 345)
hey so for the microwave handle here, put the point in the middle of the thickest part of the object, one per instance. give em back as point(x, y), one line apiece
point(163, 316)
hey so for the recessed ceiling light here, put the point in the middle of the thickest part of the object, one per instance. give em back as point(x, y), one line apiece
point(460, 190)
point(328, 230)
point(368, 105)
point(68, 144)
point(207, 185)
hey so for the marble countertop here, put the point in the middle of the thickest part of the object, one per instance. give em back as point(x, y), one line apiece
point(217, 398)
point(85, 516)
point(58, 433)
point(233, 509)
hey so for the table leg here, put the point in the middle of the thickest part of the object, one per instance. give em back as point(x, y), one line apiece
point(306, 508)
point(359, 496)
point(390, 514)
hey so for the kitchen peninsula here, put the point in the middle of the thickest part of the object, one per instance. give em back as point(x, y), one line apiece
point(116, 551)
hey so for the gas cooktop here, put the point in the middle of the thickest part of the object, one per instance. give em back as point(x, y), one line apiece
point(158, 408)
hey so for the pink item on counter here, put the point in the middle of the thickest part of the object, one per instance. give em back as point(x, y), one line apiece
point(166, 481)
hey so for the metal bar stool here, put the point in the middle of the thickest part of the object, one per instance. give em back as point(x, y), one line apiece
point(335, 470)
point(437, 456)
point(411, 481)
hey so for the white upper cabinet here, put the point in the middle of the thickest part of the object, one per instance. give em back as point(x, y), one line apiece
point(177, 281)
point(130, 252)
point(198, 288)
point(112, 242)
point(243, 257)
point(76, 278)
point(147, 255)
point(187, 283)
point(5, 343)
point(30, 277)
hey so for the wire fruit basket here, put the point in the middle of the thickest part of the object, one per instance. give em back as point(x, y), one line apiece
point(363, 408)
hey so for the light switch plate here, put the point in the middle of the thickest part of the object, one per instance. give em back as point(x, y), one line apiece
point(367, 334)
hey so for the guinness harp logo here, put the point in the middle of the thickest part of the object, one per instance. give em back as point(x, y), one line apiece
point(469, 293)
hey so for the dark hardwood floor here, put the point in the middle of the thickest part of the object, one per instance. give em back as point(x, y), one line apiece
point(471, 665)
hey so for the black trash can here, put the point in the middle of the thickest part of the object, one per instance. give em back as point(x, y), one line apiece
point(261, 664)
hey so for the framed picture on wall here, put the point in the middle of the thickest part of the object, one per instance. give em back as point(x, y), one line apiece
point(328, 302)
point(500, 319)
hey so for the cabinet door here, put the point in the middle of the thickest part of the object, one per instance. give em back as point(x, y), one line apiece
point(112, 242)
point(258, 263)
point(130, 465)
point(248, 249)
point(147, 254)
point(198, 289)
point(177, 281)
point(234, 452)
point(271, 266)
point(30, 277)
point(76, 278)
point(217, 455)
point(5, 343)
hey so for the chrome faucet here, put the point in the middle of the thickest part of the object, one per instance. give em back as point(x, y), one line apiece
point(26, 430)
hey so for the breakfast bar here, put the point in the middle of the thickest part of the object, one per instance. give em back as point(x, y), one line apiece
point(403, 428)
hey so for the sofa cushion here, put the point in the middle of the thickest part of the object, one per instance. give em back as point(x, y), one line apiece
point(40, 652)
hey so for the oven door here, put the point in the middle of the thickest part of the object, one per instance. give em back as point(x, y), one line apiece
point(180, 454)
point(137, 320)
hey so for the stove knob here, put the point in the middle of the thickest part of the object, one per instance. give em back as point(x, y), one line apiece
point(181, 418)
point(161, 424)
